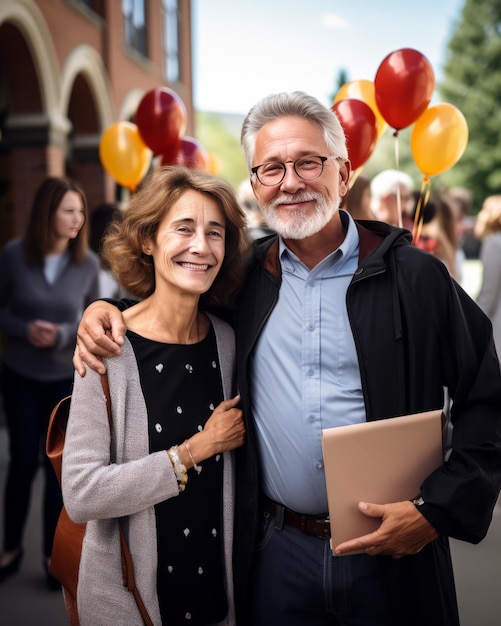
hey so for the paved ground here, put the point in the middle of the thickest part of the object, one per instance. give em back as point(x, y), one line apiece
point(26, 601)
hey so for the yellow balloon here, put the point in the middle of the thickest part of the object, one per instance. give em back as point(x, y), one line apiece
point(363, 90)
point(213, 163)
point(124, 155)
point(439, 138)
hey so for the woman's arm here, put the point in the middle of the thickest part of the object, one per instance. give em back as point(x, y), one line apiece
point(96, 485)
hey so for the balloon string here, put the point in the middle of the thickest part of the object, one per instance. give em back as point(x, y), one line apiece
point(397, 164)
point(424, 196)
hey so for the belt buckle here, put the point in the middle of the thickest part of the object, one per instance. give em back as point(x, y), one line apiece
point(326, 526)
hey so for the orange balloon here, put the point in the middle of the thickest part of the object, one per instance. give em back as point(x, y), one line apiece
point(124, 155)
point(363, 90)
point(439, 138)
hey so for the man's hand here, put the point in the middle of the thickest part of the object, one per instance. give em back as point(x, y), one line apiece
point(403, 531)
point(100, 333)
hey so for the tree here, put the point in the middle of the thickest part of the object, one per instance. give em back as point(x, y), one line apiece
point(472, 82)
point(341, 79)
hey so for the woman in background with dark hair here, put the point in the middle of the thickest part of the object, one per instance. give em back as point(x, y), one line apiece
point(47, 278)
point(438, 234)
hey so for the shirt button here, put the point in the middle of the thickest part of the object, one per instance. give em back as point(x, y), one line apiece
point(312, 418)
point(319, 465)
point(311, 327)
point(311, 372)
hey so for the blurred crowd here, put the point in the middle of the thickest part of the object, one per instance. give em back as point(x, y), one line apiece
point(443, 224)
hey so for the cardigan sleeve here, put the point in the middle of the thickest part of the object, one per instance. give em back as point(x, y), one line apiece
point(94, 485)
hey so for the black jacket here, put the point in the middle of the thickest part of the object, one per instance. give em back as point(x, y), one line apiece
point(416, 331)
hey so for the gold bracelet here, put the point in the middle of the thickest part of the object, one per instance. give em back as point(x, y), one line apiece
point(179, 468)
point(196, 467)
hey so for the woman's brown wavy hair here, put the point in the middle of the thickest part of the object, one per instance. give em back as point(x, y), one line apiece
point(123, 246)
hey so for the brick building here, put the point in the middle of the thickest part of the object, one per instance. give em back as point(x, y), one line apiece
point(68, 70)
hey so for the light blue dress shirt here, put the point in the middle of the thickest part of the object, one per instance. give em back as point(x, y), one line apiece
point(305, 374)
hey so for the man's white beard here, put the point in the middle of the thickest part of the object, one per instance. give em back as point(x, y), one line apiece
point(299, 224)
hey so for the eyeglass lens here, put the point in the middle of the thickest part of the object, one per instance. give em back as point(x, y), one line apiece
point(273, 173)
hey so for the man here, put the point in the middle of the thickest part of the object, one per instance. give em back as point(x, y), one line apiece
point(392, 200)
point(338, 324)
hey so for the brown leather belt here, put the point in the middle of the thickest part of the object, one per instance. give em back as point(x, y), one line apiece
point(315, 525)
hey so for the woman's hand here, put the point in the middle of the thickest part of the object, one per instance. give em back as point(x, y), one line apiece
point(224, 430)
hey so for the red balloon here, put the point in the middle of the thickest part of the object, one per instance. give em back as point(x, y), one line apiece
point(191, 154)
point(404, 87)
point(161, 119)
point(360, 127)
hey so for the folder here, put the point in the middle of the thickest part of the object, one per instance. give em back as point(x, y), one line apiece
point(382, 461)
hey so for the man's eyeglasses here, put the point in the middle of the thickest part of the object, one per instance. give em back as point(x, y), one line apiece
point(307, 168)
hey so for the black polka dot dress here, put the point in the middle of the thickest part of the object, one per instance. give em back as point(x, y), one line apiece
point(182, 386)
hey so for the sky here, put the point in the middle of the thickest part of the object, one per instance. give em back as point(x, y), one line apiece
point(247, 49)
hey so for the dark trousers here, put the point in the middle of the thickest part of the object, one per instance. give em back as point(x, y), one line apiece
point(297, 582)
point(28, 404)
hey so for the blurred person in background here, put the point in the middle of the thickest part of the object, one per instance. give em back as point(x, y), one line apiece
point(488, 231)
point(439, 234)
point(100, 220)
point(461, 201)
point(256, 224)
point(388, 188)
point(47, 278)
point(358, 200)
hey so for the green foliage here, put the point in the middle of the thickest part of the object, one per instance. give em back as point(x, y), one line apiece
point(342, 78)
point(220, 136)
point(472, 82)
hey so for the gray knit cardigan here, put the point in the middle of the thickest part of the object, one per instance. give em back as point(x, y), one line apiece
point(98, 490)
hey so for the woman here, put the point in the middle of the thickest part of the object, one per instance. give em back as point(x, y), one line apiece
point(180, 248)
point(488, 231)
point(438, 235)
point(46, 280)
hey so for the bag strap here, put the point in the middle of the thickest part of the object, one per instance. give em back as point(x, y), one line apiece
point(129, 580)
point(128, 574)
point(106, 388)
